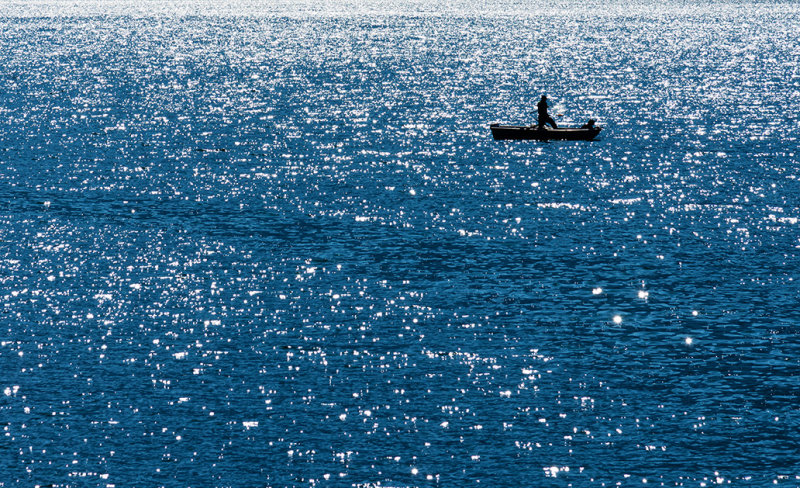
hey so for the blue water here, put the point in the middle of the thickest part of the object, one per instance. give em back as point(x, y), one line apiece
point(274, 244)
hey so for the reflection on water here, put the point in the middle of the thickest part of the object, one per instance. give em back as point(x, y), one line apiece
point(281, 248)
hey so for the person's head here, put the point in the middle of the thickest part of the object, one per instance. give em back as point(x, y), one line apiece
point(544, 97)
point(590, 123)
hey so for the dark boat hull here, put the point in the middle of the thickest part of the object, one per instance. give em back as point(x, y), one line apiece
point(521, 132)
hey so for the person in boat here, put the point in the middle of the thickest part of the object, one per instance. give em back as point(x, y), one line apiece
point(544, 117)
point(588, 125)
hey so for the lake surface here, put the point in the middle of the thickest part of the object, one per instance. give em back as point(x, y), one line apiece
point(274, 244)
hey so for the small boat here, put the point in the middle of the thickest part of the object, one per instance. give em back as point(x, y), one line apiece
point(529, 132)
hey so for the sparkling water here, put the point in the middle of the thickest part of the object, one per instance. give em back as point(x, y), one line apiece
point(274, 244)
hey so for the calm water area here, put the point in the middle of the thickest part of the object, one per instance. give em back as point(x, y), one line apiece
point(274, 244)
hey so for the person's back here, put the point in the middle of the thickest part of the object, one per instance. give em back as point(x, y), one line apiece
point(542, 106)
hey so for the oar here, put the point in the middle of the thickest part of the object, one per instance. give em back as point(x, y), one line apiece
point(536, 111)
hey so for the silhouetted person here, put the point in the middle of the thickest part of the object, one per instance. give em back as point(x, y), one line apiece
point(544, 117)
point(588, 125)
